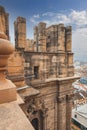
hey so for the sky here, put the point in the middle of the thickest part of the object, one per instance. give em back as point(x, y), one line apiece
point(69, 12)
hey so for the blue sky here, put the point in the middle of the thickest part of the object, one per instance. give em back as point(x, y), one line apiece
point(69, 12)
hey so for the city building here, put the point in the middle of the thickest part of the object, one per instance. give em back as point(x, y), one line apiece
point(79, 117)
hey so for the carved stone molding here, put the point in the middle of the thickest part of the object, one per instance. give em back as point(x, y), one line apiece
point(36, 105)
point(69, 97)
point(61, 99)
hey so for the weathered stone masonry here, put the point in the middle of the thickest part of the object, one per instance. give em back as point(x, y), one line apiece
point(46, 64)
point(49, 69)
point(4, 21)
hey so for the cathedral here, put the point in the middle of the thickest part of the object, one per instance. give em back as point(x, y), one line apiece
point(43, 72)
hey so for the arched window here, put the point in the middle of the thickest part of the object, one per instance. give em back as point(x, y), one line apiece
point(35, 124)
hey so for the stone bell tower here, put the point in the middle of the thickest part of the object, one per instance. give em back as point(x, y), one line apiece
point(50, 70)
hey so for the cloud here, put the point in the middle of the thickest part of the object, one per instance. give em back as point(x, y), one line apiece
point(78, 21)
point(48, 14)
point(63, 18)
point(82, 31)
point(79, 17)
point(32, 20)
point(36, 16)
point(79, 43)
point(80, 39)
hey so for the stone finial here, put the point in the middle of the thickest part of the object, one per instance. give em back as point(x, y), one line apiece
point(5, 50)
point(7, 88)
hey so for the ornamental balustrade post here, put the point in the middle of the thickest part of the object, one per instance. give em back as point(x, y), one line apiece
point(7, 88)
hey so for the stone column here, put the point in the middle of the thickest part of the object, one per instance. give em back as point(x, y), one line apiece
point(68, 38)
point(62, 68)
point(42, 37)
point(20, 33)
point(61, 113)
point(45, 120)
point(36, 38)
point(68, 111)
point(61, 37)
point(70, 66)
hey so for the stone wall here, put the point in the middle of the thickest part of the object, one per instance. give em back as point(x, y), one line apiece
point(4, 21)
point(20, 33)
point(16, 69)
point(48, 67)
point(54, 57)
point(29, 45)
point(52, 106)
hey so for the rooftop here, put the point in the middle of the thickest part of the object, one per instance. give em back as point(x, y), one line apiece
point(80, 114)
